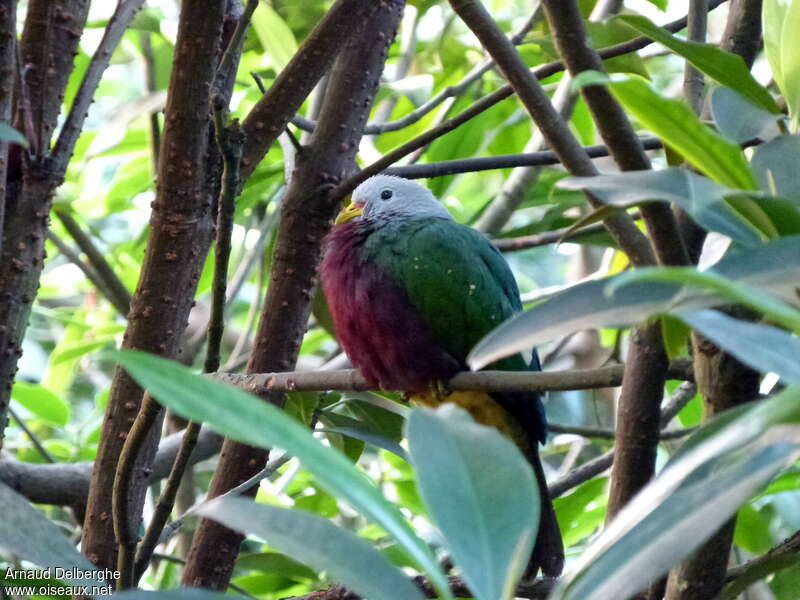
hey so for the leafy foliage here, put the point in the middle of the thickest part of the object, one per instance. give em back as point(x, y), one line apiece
point(376, 491)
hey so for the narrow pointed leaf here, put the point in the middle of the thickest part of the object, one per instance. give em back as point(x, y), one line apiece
point(740, 119)
point(481, 494)
point(26, 534)
point(775, 164)
point(317, 542)
point(702, 198)
point(679, 127)
point(694, 494)
point(769, 267)
point(724, 67)
point(250, 420)
point(762, 347)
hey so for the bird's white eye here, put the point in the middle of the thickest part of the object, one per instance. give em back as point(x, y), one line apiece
point(386, 194)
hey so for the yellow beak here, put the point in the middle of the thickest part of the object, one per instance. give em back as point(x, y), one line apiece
point(351, 211)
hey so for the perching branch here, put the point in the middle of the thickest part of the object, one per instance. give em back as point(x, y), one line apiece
point(67, 484)
point(481, 381)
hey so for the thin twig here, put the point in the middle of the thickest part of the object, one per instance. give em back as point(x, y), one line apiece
point(782, 556)
point(31, 436)
point(86, 269)
point(118, 294)
point(541, 72)
point(500, 161)
point(451, 91)
point(150, 87)
point(693, 81)
point(73, 124)
point(608, 434)
point(172, 528)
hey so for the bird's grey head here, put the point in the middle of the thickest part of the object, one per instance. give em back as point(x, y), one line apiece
point(385, 197)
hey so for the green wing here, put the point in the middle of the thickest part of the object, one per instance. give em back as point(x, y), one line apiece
point(459, 283)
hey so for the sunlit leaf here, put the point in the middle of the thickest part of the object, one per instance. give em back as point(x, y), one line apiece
point(274, 34)
point(726, 68)
point(679, 127)
point(41, 402)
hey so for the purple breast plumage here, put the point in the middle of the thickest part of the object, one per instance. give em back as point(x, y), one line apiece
point(376, 324)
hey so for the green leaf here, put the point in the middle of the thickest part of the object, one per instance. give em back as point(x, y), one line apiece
point(274, 561)
point(41, 402)
point(752, 530)
point(315, 541)
point(693, 495)
point(762, 347)
point(701, 197)
point(275, 36)
point(773, 17)
point(26, 534)
point(481, 493)
point(252, 421)
point(724, 67)
point(358, 430)
point(680, 127)
point(770, 267)
point(775, 165)
point(772, 308)
point(9, 134)
point(740, 119)
point(609, 33)
point(790, 62)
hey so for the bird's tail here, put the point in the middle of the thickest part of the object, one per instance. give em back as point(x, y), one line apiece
point(548, 552)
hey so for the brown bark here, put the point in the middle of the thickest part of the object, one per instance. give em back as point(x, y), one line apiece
point(724, 383)
point(742, 34)
point(180, 233)
point(273, 112)
point(638, 425)
point(8, 49)
point(49, 42)
point(306, 216)
point(624, 145)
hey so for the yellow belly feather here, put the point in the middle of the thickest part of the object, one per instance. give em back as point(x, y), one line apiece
point(483, 408)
